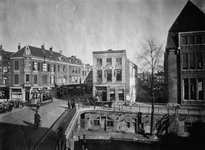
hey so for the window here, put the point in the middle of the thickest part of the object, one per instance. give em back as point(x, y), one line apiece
point(52, 80)
point(119, 61)
point(45, 67)
point(121, 94)
point(35, 79)
point(109, 75)
point(192, 61)
point(186, 89)
point(198, 39)
point(44, 79)
point(200, 89)
point(199, 60)
point(4, 80)
point(49, 67)
point(52, 68)
point(39, 66)
point(191, 39)
point(99, 62)
point(184, 40)
point(96, 122)
point(16, 66)
point(109, 61)
point(118, 74)
point(58, 68)
point(128, 124)
point(185, 61)
point(16, 78)
point(63, 68)
point(110, 123)
point(99, 75)
point(193, 89)
point(35, 66)
point(5, 69)
point(27, 78)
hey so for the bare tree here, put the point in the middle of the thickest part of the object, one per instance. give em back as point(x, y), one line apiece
point(151, 59)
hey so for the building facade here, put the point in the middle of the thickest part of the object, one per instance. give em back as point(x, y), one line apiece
point(185, 58)
point(34, 68)
point(4, 73)
point(114, 76)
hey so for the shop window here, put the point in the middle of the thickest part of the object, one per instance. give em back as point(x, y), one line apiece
point(192, 61)
point(199, 60)
point(109, 61)
point(191, 39)
point(187, 126)
point(110, 123)
point(184, 40)
point(193, 89)
point(185, 61)
point(186, 89)
point(198, 39)
point(200, 89)
point(99, 62)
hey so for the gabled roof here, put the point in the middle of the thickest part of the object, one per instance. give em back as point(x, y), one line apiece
point(5, 54)
point(191, 18)
point(41, 53)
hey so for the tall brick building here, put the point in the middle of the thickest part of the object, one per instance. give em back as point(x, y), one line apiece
point(4, 73)
point(185, 58)
point(34, 68)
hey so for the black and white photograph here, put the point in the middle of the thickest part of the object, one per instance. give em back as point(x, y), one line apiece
point(102, 74)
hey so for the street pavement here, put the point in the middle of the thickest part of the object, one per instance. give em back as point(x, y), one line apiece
point(16, 127)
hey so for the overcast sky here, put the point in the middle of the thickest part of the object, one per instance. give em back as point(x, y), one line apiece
point(79, 27)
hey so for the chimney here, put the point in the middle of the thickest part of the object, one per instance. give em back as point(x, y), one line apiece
point(61, 52)
point(19, 46)
point(51, 49)
point(1, 47)
point(43, 47)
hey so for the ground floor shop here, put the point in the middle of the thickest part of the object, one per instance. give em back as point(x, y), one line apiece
point(110, 93)
point(26, 93)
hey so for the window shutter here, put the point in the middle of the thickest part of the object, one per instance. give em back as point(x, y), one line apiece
point(54, 68)
point(39, 66)
point(48, 67)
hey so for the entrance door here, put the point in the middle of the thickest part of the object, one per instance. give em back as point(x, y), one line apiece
point(27, 94)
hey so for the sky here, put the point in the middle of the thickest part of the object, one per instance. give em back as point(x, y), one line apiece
point(78, 27)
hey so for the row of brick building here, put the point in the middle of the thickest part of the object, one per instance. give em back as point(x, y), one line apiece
point(34, 68)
